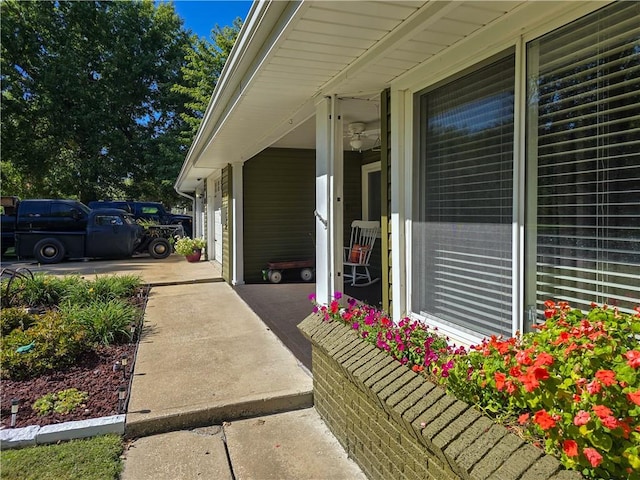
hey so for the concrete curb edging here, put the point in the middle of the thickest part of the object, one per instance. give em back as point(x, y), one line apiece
point(396, 424)
point(36, 435)
point(216, 414)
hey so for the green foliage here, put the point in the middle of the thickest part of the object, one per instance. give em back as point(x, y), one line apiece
point(63, 402)
point(88, 110)
point(186, 245)
point(15, 317)
point(575, 382)
point(102, 289)
point(42, 290)
point(57, 344)
point(96, 458)
point(105, 321)
point(204, 63)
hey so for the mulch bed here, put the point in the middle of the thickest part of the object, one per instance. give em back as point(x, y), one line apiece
point(93, 374)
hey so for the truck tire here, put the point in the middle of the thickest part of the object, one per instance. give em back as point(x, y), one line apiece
point(159, 248)
point(49, 250)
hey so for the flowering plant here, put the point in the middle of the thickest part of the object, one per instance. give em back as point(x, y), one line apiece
point(410, 342)
point(574, 381)
point(186, 245)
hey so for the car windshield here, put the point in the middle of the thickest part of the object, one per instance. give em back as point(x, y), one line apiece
point(129, 219)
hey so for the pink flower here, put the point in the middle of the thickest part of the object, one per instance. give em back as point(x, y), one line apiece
point(593, 387)
point(593, 456)
point(633, 358)
point(581, 418)
point(524, 418)
point(610, 422)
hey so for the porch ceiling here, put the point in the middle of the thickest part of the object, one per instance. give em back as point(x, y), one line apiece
point(319, 48)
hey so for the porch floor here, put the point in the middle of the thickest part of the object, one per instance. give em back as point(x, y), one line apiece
point(283, 306)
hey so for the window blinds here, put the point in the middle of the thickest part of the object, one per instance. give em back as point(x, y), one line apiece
point(584, 124)
point(462, 235)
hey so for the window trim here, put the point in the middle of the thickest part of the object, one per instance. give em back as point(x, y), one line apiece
point(366, 169)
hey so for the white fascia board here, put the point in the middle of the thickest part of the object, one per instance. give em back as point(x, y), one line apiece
point(255, 40)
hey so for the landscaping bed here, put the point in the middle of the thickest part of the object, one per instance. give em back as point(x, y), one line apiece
point(93, 374)
point(64, 342)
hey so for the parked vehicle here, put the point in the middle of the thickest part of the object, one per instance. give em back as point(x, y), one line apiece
point(51, 230)
point(153, 211)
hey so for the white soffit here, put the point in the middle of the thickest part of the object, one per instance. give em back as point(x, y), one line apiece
point(345, 48)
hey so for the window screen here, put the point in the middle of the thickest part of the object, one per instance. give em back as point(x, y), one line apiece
point(584, 161)
point(462, 223)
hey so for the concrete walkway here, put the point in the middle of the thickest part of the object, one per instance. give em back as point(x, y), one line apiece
point(215, 394)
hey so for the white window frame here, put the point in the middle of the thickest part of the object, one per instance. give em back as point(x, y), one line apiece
point(464, 56)
point(366, 169)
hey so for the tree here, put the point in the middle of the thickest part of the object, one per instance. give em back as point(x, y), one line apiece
point(88, 109)
point(204, 64)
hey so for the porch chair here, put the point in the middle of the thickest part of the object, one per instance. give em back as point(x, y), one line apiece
point(358, 253)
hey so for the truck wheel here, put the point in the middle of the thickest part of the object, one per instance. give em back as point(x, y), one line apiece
point(159, 248)
point(49, 250)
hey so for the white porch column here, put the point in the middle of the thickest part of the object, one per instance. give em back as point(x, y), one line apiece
point(237, 211)
point(400, 197)
point(329, 199)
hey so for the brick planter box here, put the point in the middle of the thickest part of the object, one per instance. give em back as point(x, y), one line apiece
point(397, 425)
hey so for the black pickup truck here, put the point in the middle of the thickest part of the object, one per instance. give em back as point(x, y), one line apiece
point(51, 230)
point(153, 211)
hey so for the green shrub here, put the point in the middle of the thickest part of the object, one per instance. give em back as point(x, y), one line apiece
point(102, 289)
point(15, 317)
point(63, 402)
point(43, 290)
point(56, 343)
point(574, 382)
point(106, 322)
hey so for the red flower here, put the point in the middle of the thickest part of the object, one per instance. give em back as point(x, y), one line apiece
point(334, 307)
point(634, 397)
point(581, 418)
point(593, 456)
point(417, 368)
point(544, 420)
point(543, 359)
point(499, 378)
point(524, 418)
point(607, 377)
point(570, 447)
point(549, 303)
point(601, 411)
point(633, 358)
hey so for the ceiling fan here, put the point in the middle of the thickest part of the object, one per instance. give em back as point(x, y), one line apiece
point(360, 139)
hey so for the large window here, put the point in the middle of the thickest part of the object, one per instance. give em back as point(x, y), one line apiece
point(583, 154)
point(462, 223)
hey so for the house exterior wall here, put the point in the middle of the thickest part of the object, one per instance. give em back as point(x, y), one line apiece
point(465, 57)
point(279, 199)
point(226, 234)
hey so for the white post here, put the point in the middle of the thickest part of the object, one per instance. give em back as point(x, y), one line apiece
point(328, 212)
point(237, 273)
point(400, 186)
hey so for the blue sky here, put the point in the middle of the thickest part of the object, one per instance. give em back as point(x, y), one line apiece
point(201, 15)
